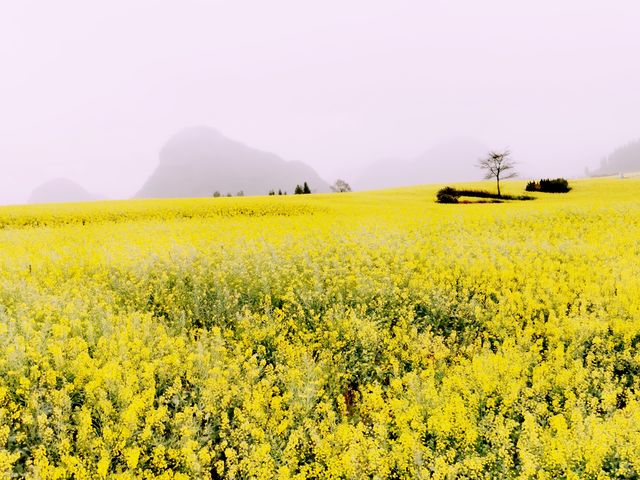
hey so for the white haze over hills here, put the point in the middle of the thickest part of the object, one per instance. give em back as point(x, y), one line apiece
point(449, 161)
point(60, 190)
point(199, 161)
point(90, 91)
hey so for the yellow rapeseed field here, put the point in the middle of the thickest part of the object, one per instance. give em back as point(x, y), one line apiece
point(365, 335)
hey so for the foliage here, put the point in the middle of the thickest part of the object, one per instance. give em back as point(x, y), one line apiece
point(447, 195)
point(302, 189)
point(452, 195)
point(556, 185)
point(340, 186)
point(373, 335)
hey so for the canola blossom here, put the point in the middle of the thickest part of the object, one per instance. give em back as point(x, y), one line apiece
point(344, 336)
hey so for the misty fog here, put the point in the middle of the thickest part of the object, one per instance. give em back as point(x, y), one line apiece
point(91, 91)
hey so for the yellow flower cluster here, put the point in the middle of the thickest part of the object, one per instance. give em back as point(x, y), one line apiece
point(369, 335)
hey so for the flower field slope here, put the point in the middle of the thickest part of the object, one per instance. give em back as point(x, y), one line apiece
point(362, 335)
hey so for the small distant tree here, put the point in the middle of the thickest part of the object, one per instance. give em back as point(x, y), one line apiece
point(216, 194)
point(305, 188)
point(298, 190)
point(240, 193)
point(272, 192)
point(341, 186)
point(498, 165)
point(229, 195)
point(279, 192)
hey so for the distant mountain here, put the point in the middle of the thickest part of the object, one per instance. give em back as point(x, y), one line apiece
point(450, 161)
point(60, 190)
point(199, 161)
point(622, 160)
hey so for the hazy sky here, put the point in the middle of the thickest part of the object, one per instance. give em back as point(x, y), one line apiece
point(90, 90)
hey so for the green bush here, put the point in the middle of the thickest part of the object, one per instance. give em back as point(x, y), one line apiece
point(452, 195)
point(556, 185)
point(447, 195)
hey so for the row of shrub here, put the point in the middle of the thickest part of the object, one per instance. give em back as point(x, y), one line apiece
point(452, 195)
point(556, 185)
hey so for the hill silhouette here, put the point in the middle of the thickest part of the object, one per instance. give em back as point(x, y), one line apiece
point(625, 159)
point(60, 190)
point(199, 161)
point(449, 161)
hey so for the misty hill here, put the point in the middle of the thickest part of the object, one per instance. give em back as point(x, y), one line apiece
point(623, 160)
point(198, 161)
point(60, 190)
point(450, 161)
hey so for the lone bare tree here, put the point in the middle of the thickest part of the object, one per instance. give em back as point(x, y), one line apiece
point(498, 165)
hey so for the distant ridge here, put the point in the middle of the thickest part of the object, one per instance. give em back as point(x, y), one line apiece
point(60, 190)
point(449, 161)
point(199, 161)
point(625, 159)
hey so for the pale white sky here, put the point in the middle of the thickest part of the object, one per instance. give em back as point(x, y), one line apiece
point(90, 90)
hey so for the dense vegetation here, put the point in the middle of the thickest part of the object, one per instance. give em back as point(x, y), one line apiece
point(556, 185)
point(373, 335)
point(453, 195)
point(302, 189)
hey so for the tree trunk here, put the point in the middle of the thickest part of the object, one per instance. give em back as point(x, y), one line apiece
point(498, 182)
